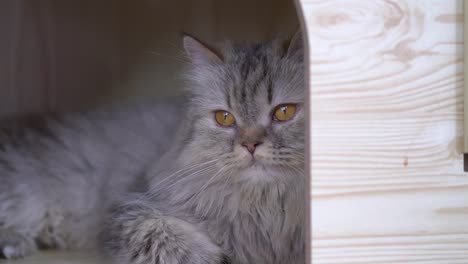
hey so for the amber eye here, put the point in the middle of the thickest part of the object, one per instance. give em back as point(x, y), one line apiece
point(224, 118)
point(284, 112)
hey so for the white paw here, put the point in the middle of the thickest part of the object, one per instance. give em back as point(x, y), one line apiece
point(13, 245)
point(11, 252)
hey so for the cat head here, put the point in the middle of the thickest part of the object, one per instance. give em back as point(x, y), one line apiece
point(247, 108)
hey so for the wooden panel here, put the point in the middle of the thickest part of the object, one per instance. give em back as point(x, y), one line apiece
point(55, 55)
point(465, 90)
point(386, 123)
point(58, 55)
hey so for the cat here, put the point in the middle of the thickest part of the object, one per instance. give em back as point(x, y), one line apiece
point(218, 179)
point(59, 175)
point(232, 188)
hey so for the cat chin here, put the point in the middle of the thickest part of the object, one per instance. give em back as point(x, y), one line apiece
point(254, 169)
point(258, 172)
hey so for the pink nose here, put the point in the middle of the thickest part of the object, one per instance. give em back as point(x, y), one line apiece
point(251, 146)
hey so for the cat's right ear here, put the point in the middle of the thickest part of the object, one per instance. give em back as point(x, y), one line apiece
point(296, 43)
point(199, 53)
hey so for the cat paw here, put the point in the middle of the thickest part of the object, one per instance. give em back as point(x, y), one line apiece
point(13, 245)
point(168, 240)
point(13, 252)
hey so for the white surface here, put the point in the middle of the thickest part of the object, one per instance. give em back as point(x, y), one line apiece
point(387, 131)
point(59, 257)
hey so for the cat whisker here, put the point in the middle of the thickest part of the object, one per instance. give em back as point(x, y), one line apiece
point(203, 188)
point(224, 188)
point(190, 176)
point(186, 169)
point(180, 173)
point(166, 188)
point(187, 177)
point(297, 170)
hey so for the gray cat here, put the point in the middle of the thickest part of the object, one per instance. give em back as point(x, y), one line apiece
point(59, 176)
point(229, 189)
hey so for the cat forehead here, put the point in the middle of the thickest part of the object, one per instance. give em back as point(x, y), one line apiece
point(251, 79)
point(263, 76)
point(239, 55)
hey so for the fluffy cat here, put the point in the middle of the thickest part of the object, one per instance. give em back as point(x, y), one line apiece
point(232, 188)
point(59, 176)
point(228, 187)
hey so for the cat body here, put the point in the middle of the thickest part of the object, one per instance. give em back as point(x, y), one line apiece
point(229, 188)
point(59, 176)
point(236, 190)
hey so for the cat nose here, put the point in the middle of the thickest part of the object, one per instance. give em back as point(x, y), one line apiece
point(251, 146)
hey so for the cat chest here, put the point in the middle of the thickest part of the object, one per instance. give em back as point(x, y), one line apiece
point(255, 237)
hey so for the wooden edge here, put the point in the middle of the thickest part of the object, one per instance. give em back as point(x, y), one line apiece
point(465, 155)
point(308, 115)
point(465, 85)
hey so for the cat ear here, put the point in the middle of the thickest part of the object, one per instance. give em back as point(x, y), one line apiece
point(296, 43)
point(199, 53)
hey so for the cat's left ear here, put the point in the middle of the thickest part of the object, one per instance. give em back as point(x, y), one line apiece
point(296, 43)
point(199, 53)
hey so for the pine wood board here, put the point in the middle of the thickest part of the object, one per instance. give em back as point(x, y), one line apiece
point(386, 93)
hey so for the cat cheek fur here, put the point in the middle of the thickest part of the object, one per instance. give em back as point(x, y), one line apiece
point(210, 138)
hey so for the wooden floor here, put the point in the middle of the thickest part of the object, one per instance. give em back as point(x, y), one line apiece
point(387, 131)
point(59, 257)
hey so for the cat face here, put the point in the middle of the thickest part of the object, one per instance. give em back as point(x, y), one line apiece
point(247, 110)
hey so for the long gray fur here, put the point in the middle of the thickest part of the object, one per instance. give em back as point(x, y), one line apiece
point(207, 200)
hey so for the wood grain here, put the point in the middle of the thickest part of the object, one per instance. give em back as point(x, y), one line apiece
point(71, 55)
point(387, 132)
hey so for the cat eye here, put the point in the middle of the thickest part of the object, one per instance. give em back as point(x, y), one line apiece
point(284, 112)
point(224, 118)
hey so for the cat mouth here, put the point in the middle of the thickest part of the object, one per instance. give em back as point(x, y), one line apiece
point(256, 163)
